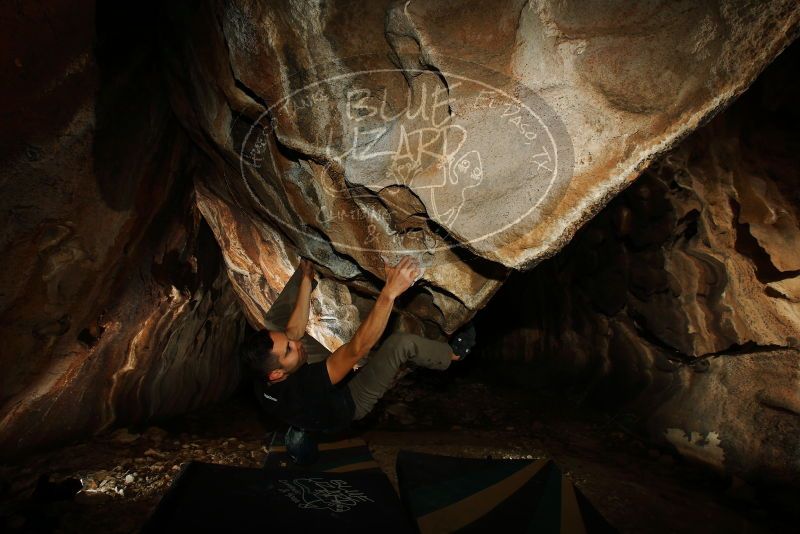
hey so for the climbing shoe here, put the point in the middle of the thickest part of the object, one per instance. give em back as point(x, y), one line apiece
point(463, 341)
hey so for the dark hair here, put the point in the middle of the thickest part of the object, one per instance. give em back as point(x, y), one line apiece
point(257, 356)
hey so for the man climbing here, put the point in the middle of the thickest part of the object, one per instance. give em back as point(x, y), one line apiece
point(298, 381)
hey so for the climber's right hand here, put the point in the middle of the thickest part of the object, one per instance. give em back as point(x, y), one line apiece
point(401, 276)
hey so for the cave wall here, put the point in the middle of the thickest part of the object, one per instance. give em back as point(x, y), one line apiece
point(114, 306)
point(165, 164)
point(680, 301)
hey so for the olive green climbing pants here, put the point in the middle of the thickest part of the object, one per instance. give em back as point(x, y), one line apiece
point(377, 376)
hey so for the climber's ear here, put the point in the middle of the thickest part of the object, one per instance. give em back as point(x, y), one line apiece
point(276, 374)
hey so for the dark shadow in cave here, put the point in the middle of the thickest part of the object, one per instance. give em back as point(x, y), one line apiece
point(130, 94)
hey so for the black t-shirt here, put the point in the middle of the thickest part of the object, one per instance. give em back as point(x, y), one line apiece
point(307, 399)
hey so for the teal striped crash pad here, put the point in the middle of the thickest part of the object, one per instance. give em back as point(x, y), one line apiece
point(344, 456)
point(446, 494)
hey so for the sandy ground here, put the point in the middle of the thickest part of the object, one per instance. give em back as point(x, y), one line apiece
point(119, 477)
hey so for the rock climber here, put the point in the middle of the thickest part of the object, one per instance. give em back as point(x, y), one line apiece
point(301, 383)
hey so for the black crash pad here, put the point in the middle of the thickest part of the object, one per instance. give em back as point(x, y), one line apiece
point(218, 498)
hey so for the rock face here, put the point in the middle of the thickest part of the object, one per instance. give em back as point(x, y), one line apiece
point(114, 303)
point(354, 134)
point(680, 299)
point(160, 183)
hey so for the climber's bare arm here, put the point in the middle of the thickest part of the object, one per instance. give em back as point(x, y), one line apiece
point(298, 320)
point(398, 279)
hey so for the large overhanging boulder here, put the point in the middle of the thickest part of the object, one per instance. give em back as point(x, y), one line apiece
point(347, 132)
point(476, 137)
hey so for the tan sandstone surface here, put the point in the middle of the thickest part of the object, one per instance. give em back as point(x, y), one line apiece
point(162, 173)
